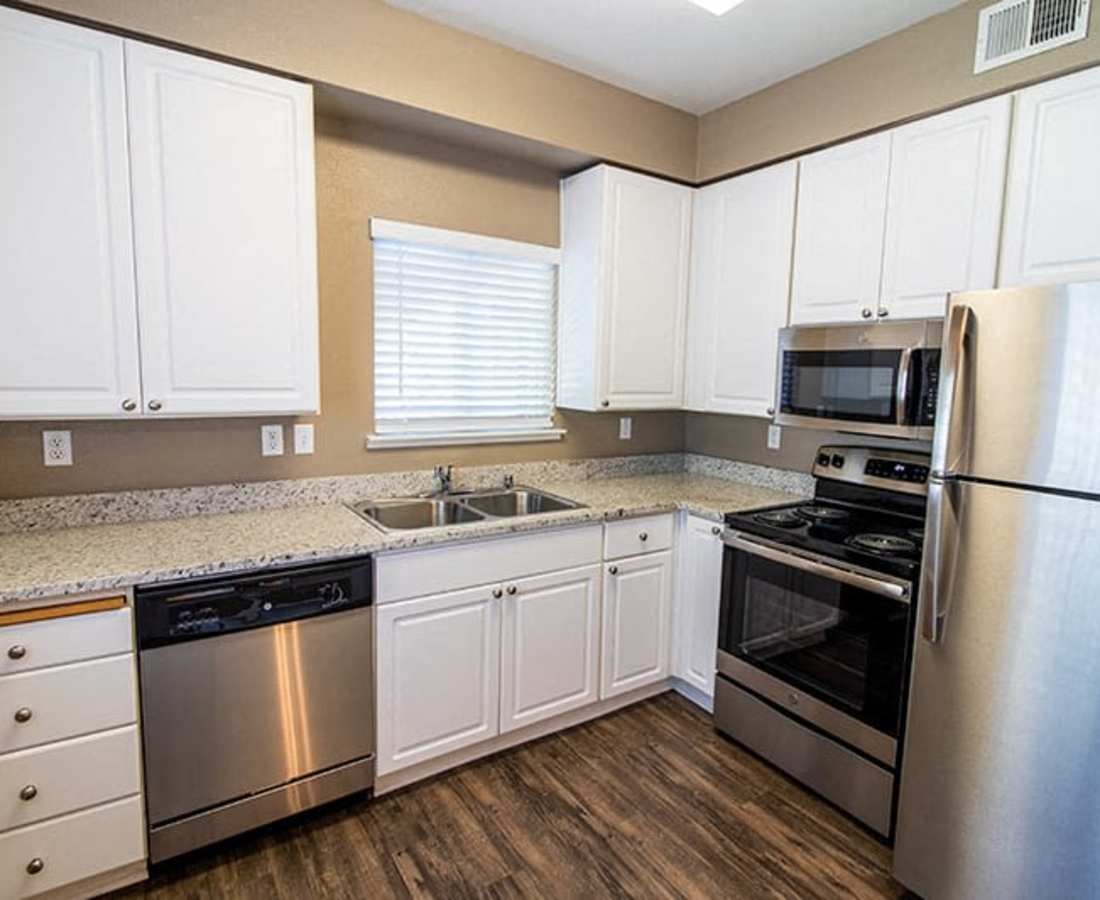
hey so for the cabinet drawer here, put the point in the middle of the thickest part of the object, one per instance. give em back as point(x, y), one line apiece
point(67, 701)
point(51, 642)
point(633, 536)
point(71, 848)
point(417, 573)
point(67, 776)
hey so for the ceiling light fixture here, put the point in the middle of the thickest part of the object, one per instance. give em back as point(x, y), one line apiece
point(718, 7)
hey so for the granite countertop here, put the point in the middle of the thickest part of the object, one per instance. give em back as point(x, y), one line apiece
point(41, 564)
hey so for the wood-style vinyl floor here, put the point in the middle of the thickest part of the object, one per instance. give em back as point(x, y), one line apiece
point(646, 802)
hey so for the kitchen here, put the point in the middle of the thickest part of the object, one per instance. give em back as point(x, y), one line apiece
point(445, 451)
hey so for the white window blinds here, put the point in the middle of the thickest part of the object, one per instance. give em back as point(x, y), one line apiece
point(464, 334)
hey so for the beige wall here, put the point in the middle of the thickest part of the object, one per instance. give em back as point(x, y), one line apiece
point(368, 46)
point(361, 172)
point(916, 71)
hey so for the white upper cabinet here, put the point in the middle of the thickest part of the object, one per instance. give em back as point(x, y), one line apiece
point(68, 342)
point(743, 229)
point(1052, 212)
point(838, 236)
point(943, 215)
point(623, 291)
point(223, 177)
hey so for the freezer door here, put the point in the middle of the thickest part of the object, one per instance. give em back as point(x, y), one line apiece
point(1000, 781)
point(1019, 388)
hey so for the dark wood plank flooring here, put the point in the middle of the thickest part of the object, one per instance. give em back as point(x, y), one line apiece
point(646, 802)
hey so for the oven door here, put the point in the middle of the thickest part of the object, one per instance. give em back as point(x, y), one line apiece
point(826, 644)
point(877, 380)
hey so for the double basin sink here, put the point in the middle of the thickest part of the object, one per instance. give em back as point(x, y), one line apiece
point(408, 513)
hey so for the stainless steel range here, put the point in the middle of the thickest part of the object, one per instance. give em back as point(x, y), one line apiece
point(816, 626)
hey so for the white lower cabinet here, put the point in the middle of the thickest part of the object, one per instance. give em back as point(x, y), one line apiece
point(697, 603)
point(549, 646)
point(438, 679)
point(637, 602)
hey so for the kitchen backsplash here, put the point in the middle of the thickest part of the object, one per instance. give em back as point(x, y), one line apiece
point(40, 513)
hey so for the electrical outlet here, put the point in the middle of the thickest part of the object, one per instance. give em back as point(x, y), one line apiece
point(271, 440)
point(773, 437)
point(303, 438)
point(626, 426)
point(57, 448)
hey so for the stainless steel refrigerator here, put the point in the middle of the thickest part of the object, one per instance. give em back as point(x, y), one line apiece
point(1000, 785)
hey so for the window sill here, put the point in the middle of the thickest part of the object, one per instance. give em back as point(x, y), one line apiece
point(397, 441)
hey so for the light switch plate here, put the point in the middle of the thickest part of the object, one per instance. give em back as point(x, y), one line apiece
point(773, 437)
point(57, 448)
point(271, 440)
point(626, 428)
point(303, 438)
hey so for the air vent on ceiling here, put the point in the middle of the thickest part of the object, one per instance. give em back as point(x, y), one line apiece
point(1015, 29)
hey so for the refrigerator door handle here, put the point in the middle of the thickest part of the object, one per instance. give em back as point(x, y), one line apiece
point(953, 415)
point(937, 569)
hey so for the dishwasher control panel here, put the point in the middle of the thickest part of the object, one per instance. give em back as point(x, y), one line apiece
point(180, 611)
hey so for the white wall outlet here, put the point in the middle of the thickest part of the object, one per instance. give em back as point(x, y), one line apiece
point(271, 440)
point(626, 427)
point(303, 438)
point(57, 448)
point(773, 437)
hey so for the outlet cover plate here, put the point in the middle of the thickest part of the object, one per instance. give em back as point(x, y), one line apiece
point(271, 440)
point(773, 437)
point(57, 448)
point(303, 438)
point(626, 428)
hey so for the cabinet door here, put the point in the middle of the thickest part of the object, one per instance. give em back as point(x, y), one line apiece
point(69, 343)
point(839, 232)
point(741, 251)
point(696, 612)
point(549, 658)
point(637, 596)
point(438, 675)
point(943, 218)
point(225, 235)
point(644, 273)
point(1052, 217)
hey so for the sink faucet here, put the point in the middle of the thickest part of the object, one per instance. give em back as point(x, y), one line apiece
point(509, 481)
point(442, 479)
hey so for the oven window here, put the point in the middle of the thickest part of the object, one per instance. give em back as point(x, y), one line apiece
point(856, 385)
point(842, 644)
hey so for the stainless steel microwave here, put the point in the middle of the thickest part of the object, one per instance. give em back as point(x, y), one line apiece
point(878, 379)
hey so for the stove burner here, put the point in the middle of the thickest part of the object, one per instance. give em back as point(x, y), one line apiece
point(781, 518)
point(821, 513)
point(888, 544)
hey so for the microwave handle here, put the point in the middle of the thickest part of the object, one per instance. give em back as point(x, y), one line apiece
point(895, 590)
point(904, 365)
point(953, 413)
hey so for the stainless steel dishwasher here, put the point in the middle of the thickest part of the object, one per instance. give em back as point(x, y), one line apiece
point(257, 698)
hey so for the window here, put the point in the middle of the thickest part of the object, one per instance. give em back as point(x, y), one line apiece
point(465, 333)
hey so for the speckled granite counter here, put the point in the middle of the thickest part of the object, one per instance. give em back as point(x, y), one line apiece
point(38, 564)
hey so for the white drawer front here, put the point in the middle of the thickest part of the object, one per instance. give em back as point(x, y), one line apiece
point(65, 640)
point(630, 537)
point(67, 701)
point(418, 573)
point(49, 781)
point(71, 848)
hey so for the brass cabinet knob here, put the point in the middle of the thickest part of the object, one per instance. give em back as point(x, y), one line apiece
point(497, 593)
point(884, 312)
point(605, 403)
point(511, 590)
point(614, 570)
point(23, 714)
point(129, 405)
point(35, 866)
point(771, 410)
point(714, 529)
point(16, 651)
point(866, 312)
point(29, 792)
point(643, 536)
point(155, 405)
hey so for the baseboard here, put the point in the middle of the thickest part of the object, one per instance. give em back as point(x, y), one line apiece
point(103, 883)
point(692, 693)
point(394, 780)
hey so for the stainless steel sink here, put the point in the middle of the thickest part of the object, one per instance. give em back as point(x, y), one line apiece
point(415, 512)
point(517, 502)
point(410, 513)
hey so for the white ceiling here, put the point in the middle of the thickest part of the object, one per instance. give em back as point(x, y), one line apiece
point(676, 52)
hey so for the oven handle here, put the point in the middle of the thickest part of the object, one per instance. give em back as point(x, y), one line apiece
point(895, 590)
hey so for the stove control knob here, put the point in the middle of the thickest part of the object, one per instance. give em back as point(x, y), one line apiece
point(823, 459)
point(838, 461)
